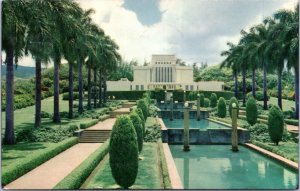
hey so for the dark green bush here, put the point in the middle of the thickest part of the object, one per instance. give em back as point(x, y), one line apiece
point(123, 152)
point(27, 165)
point(66, 96)
point(221, 107)
point(137, 123)
point(77, 177)
point(103, 117)
point(233, 100)
point(152, 130)
point(202, 98)
point(141, 115)
point(72, 128)
point(143, 106)
point(213, 100)
point(251, 111)
point(147, 98)
point(206, 102)
point(85, 125)
point(275, 124)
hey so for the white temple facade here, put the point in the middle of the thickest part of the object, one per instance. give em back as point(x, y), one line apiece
point(163, 73)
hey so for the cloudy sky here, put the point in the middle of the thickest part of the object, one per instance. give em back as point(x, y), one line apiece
point(194, 30)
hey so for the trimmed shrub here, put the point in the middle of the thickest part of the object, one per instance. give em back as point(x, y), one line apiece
point(85, 125)
point(103, 117)
point(275, 124)
point(221, 107)
point(147, 98)
point(77, 177)
point(259, 132)
point(206, 102)
point(126, 95)
point(13, 172)
point(45, 114)
point(141, 115)
point(251, 111)
point(143, 106)
point(213, 100)
point(72, 128)
point(123, 152)
point(202, 98)
point(137, 123)
point(233, 100)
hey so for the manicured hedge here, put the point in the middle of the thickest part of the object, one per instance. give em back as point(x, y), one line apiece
point(66, 96)
point(85, 125)
point(164, 167)
point(77, 177)
point(20, 101)
point(16, 171)
point(292, 122)
point(126, 95)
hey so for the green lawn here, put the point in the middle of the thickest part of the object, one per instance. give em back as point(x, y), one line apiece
point(148, 175)
point(286, 104)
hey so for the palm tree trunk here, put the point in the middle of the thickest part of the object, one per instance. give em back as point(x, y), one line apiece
point(89, 89)
point(265, 85)
point(95, 88)
point(297, 90)
point(279, 93)
point(56, 116)
point(244, 86)
point(100, 88)
point(9, 137)
point(104, 89)
point(80, 85)
point(38, 92)
point(235, 84)
point(253, 83)
point(71, 90)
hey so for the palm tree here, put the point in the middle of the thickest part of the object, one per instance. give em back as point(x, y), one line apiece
point(38, 43)
point(289, 36)
point(231, 62)
point(14, 20)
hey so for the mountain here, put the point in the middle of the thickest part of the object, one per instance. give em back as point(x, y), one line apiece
point(24, 72)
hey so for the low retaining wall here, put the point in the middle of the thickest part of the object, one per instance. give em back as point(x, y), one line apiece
point(178, 114)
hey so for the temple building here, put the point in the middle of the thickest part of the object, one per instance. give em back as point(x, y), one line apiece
point(163, 73)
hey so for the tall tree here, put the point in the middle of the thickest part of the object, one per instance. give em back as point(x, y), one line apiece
point(13, 41)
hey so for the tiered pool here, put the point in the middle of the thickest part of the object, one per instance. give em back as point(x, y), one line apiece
point(193, 123)
point(217, 167)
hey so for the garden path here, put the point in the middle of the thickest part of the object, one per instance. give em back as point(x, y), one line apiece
point(291, 127)
point(104, 125)
point(47, 175)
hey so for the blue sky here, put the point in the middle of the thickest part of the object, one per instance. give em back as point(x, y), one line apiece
point(194, 30)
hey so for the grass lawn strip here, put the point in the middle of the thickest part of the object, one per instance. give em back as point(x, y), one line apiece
point(19, 159)
point(77, 177)
point(164, 167)
point(148, 175)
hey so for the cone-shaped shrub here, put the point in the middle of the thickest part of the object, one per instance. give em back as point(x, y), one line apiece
point(141, 115)
point(206, 102)
point(137, 123)
point(213, 100)
point(202, 100)
point(251, 111)
point(233, 100)
point(221, 107)
point(275, 124)
point(123, 152)
point(143, 106)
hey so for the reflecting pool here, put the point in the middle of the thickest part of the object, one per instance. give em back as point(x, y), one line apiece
point(193, 123)
point(217, 167)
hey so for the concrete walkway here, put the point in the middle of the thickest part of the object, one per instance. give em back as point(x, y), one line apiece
point(47, 175)
point(104, 125)
point(291, 127)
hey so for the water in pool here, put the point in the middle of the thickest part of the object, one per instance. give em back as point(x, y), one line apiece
point(217, 167)
point(202, 124)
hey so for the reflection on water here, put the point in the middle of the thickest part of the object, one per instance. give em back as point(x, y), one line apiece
point(216, 167)
point(193, 123)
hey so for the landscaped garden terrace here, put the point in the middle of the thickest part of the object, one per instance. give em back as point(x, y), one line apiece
point(62, 129)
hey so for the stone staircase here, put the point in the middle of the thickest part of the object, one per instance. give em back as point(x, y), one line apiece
point(94, 136)
point(121, 111)
point(128, 104)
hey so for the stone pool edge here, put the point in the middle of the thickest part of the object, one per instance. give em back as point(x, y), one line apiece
point(274, 156)
point(173, 173)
